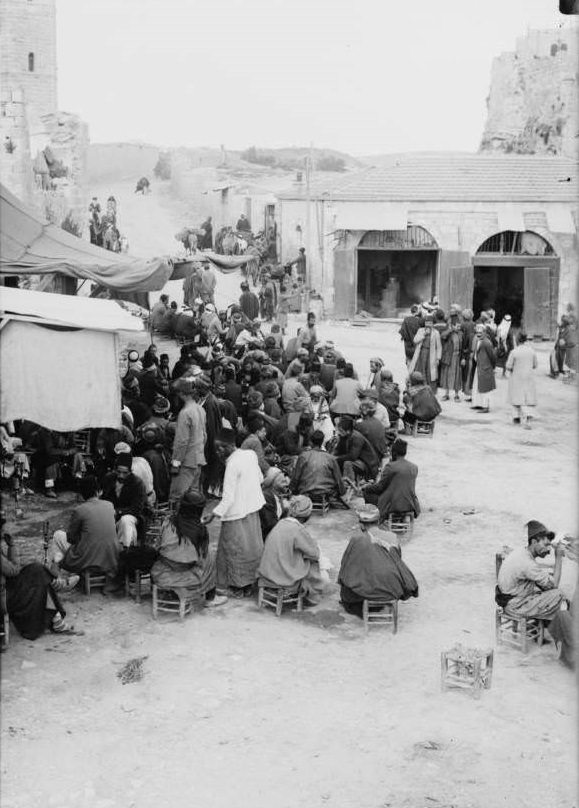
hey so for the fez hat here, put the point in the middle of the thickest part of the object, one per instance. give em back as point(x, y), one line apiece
point(536, 529)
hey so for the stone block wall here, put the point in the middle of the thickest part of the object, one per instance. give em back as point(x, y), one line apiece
point(29, 27)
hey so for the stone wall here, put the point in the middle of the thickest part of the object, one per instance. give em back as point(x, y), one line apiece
point(29, 27)
point(532, 105)
point(457, 226)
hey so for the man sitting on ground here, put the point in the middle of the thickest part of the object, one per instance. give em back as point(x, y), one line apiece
point(90, 542)
point(525, 587)
point(395, 490)
point(317, 472)
point(354, 453)
point(290, 556)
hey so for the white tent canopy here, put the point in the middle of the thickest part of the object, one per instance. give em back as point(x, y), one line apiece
point(76, 312)
point(62, 379)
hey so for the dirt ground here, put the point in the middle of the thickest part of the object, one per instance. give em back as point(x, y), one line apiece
point(238, 708)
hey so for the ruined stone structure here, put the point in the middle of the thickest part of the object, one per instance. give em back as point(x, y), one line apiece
point(532, 104)
point(42, 151)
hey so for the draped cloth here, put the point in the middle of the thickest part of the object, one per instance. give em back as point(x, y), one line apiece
point(181, 566)
point(63, 380)
point(370, 571)
point(239, 551)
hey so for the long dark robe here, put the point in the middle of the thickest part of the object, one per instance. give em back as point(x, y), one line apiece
point(369, 571)
point(214, 469)
point(26, 595)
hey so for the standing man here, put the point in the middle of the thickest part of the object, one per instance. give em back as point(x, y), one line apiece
point(243, 225)
point(521, 363)
point(240, 539)
point(427, 353)
point(248, 302)
point(408, 329)
point(484, 360)
point(189, 445)
point(206, 242)
point(208, 284)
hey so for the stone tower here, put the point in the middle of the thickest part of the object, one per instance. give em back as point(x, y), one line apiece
point(28, 53)
point(532, 105)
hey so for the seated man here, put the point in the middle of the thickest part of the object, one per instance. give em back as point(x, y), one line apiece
point(355, 455)
point(395, 490)
point(420, 402)
point(141, 469)
point(275, 488)
point(90, 542)
point(128, 495)
point(525, 587)
point(290, 556)
point(371, 428)
point(29, 593)
point(372, 568)
point(255, 441)
point(317, 472)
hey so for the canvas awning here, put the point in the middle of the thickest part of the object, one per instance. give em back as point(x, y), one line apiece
point(59, 359)
point(29, 245)
point(66, 310)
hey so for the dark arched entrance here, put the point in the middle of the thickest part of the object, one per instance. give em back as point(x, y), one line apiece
point(517, 273)
point(395, 268)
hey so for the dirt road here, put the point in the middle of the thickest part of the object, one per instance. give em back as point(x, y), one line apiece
point(238, 708)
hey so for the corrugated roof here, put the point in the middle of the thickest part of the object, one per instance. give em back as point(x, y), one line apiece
point(454, 177)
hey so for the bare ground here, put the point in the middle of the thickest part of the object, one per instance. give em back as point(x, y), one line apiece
point(236, 707)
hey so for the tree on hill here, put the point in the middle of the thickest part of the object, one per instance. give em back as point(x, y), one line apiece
point(258, 156)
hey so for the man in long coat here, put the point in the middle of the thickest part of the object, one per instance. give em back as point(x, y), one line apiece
point(520, 365)
point(427, 353)
point(484, 360)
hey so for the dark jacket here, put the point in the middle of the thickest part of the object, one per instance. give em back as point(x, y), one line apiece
point(395, 490)
point(357, 447)
point(373, 430)
point(132, 498)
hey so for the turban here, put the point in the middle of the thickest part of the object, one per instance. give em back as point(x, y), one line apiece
point(300, 507)
point(122, 448)
point(377, 361)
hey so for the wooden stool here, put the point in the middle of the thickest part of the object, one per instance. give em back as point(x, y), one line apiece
point(517, 631)
point(380, 611)
point(276, 598)
point(93, 579)
point(401, 523)
point(141, 578)
point(423, 428)
point(166, 600)
point(320, 503)
point(466, 668)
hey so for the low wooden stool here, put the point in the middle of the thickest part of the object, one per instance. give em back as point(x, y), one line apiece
point(320, 503)
point(423, 428)
point(276, 598)
point(401, 523)
point(93, 579)
point(142, 578)
point(466, 668)
point(518, 631)
point(166, 600)
point(380, 612)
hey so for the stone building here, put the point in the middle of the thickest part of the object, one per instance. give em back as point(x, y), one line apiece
point(42, 150)
point(481, 230)
point(532, 104)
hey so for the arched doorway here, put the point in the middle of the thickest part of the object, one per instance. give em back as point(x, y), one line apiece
point(395, 268)
point(517, 273)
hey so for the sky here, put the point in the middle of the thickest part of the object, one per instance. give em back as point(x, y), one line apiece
point(360, 76)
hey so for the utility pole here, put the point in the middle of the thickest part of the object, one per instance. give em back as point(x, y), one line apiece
point(308, 233)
